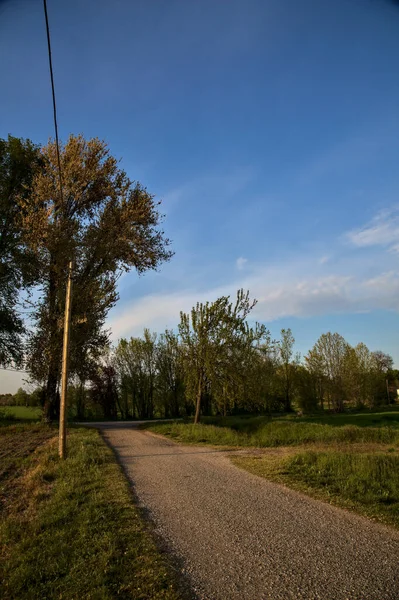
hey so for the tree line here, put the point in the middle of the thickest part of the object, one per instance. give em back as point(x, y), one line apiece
point(216, 363)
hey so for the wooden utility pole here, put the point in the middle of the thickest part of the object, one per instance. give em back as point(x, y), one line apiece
point(65, 353)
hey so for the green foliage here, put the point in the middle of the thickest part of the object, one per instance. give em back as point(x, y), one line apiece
point(18, 161)
point(216, 340)
point(219, 364)
point(104, 390)
point(327, 361)
point(21, 397)
point(345, 375)
point(136, 364)
point(170, 377)
point(263, 432)
point(286, 350)
point(76, 532)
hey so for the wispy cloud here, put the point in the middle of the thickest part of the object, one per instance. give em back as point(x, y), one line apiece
point(241, 262)
point(382, 230)
point(300, 286)
point(324, 259)
point(291, 297)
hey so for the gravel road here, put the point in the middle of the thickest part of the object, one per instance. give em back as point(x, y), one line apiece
point(240, 537)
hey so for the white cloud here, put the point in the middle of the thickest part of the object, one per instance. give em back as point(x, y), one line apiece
point(156, 311)
point(383, 230)
point(323, 260)
point(287, 296)
point(241, 262)
point(296, 287)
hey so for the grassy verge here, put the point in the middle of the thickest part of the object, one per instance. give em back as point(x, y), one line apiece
point(365, 481)
point(72, 530)
point(276, 433)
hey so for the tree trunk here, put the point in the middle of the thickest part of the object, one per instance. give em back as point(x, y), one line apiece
point(224, 402)
point(287, 402)
point(198, 407)
point(50, 403)
point(50, 408)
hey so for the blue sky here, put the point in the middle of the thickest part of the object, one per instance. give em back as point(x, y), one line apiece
point(269, 129)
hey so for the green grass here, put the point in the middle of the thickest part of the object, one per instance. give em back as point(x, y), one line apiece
point(250, 423)
point(72, 530)
point(389, 418)
point(367, 482)
point(277, 432)
point(25, 413)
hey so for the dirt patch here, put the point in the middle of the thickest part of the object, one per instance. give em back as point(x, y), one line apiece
point(17, 444)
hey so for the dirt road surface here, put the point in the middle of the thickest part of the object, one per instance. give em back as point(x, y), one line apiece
point(239, 537)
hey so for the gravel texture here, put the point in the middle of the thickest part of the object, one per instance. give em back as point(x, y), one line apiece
point(238, 537)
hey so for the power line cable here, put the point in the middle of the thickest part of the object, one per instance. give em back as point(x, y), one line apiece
point(53, 95)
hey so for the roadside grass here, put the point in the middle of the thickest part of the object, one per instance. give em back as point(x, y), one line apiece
point(71, 529)
point(275, 433)
point(367, 482)
point(250, 423)
point(25, 413)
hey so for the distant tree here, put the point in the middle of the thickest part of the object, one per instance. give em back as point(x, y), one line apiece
point(36, 398)
point(261, 382)
point(359, 376)
point(327, 359)
point(286, 352)
point(104, 390)
point(6, 400)
point(107, 224)
point(308, 390)
point(170, 376)
point(210, 334)
point(18, 161)
point(383, 362)
point(135, 362)
point(21, 397)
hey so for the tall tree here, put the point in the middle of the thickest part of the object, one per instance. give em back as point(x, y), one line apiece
point(329, 354)
point(106, 223)
point(18, 161)
point(286, 351)
point(170, 377)
point(209, 335)
point(136, 366)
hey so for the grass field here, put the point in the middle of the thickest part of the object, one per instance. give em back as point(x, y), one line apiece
point(262, 432)
point(70, 529)
point(25, 413)
point(351, 460)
